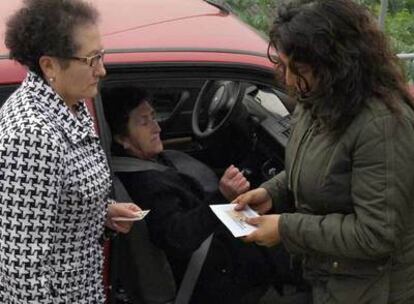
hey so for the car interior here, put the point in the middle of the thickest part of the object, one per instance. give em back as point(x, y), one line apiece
point(219, 117)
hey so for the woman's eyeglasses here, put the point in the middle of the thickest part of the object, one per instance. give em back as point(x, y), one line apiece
point(92, 60)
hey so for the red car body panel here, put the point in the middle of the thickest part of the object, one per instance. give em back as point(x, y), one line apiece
point(143, 31)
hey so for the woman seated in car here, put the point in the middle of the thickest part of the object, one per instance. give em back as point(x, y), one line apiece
point(180, 218)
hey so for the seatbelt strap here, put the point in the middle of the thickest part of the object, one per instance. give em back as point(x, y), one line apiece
point(193, 271)
point(133, 164)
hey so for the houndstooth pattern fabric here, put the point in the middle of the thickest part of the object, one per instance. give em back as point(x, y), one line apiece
point(54, 182)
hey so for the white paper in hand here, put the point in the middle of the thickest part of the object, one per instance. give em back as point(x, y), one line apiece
point(139, 216)
point(234, 220)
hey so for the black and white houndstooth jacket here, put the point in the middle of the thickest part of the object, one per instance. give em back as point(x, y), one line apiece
point(54, 182)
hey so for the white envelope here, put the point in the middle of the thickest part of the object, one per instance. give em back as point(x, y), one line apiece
point(235, 220)
point(139, 216)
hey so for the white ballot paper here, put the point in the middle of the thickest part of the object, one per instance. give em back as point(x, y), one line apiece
point(139, 216)
point(234, 220)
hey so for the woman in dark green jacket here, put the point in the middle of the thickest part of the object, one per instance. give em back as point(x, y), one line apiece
point(350, 159)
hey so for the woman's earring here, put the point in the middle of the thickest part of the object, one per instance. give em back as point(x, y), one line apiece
point(52, 79)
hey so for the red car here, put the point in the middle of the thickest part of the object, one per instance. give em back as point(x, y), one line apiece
point(184, 52)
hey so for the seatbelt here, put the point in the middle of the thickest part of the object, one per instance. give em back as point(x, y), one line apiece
point(147, 274)
point(192, 272)
point(181, 161)
point(132, 164)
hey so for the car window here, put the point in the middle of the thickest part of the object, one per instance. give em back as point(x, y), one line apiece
point(164, 103)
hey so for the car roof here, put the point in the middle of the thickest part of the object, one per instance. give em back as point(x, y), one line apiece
point(180, 24)
point(164, 25)
point(175, 30)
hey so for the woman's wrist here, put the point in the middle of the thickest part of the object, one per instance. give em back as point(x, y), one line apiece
point(109, 232)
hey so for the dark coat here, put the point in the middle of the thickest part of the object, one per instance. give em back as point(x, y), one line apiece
point(180, 220)
point(354, 197)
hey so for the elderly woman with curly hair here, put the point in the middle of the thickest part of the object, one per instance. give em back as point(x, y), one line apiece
point(54, 178)
point(349, 162)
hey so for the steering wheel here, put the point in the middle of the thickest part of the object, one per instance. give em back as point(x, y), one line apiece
point(218, 100)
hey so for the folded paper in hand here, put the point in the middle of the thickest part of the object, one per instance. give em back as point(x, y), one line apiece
point(139, 216)
point(234, 220)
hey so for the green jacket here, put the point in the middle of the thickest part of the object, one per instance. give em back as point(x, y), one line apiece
point(354, 199)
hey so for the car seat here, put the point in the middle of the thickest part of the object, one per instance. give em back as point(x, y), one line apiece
point(147, 277)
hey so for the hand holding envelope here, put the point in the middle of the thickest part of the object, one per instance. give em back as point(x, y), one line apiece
point(120, 216)
point(235, 220)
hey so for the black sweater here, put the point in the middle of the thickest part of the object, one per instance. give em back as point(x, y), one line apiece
point(180, 220)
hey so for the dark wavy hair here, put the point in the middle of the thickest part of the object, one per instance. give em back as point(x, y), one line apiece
point(349, 55)
point(46, 27)
point(118, 104)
